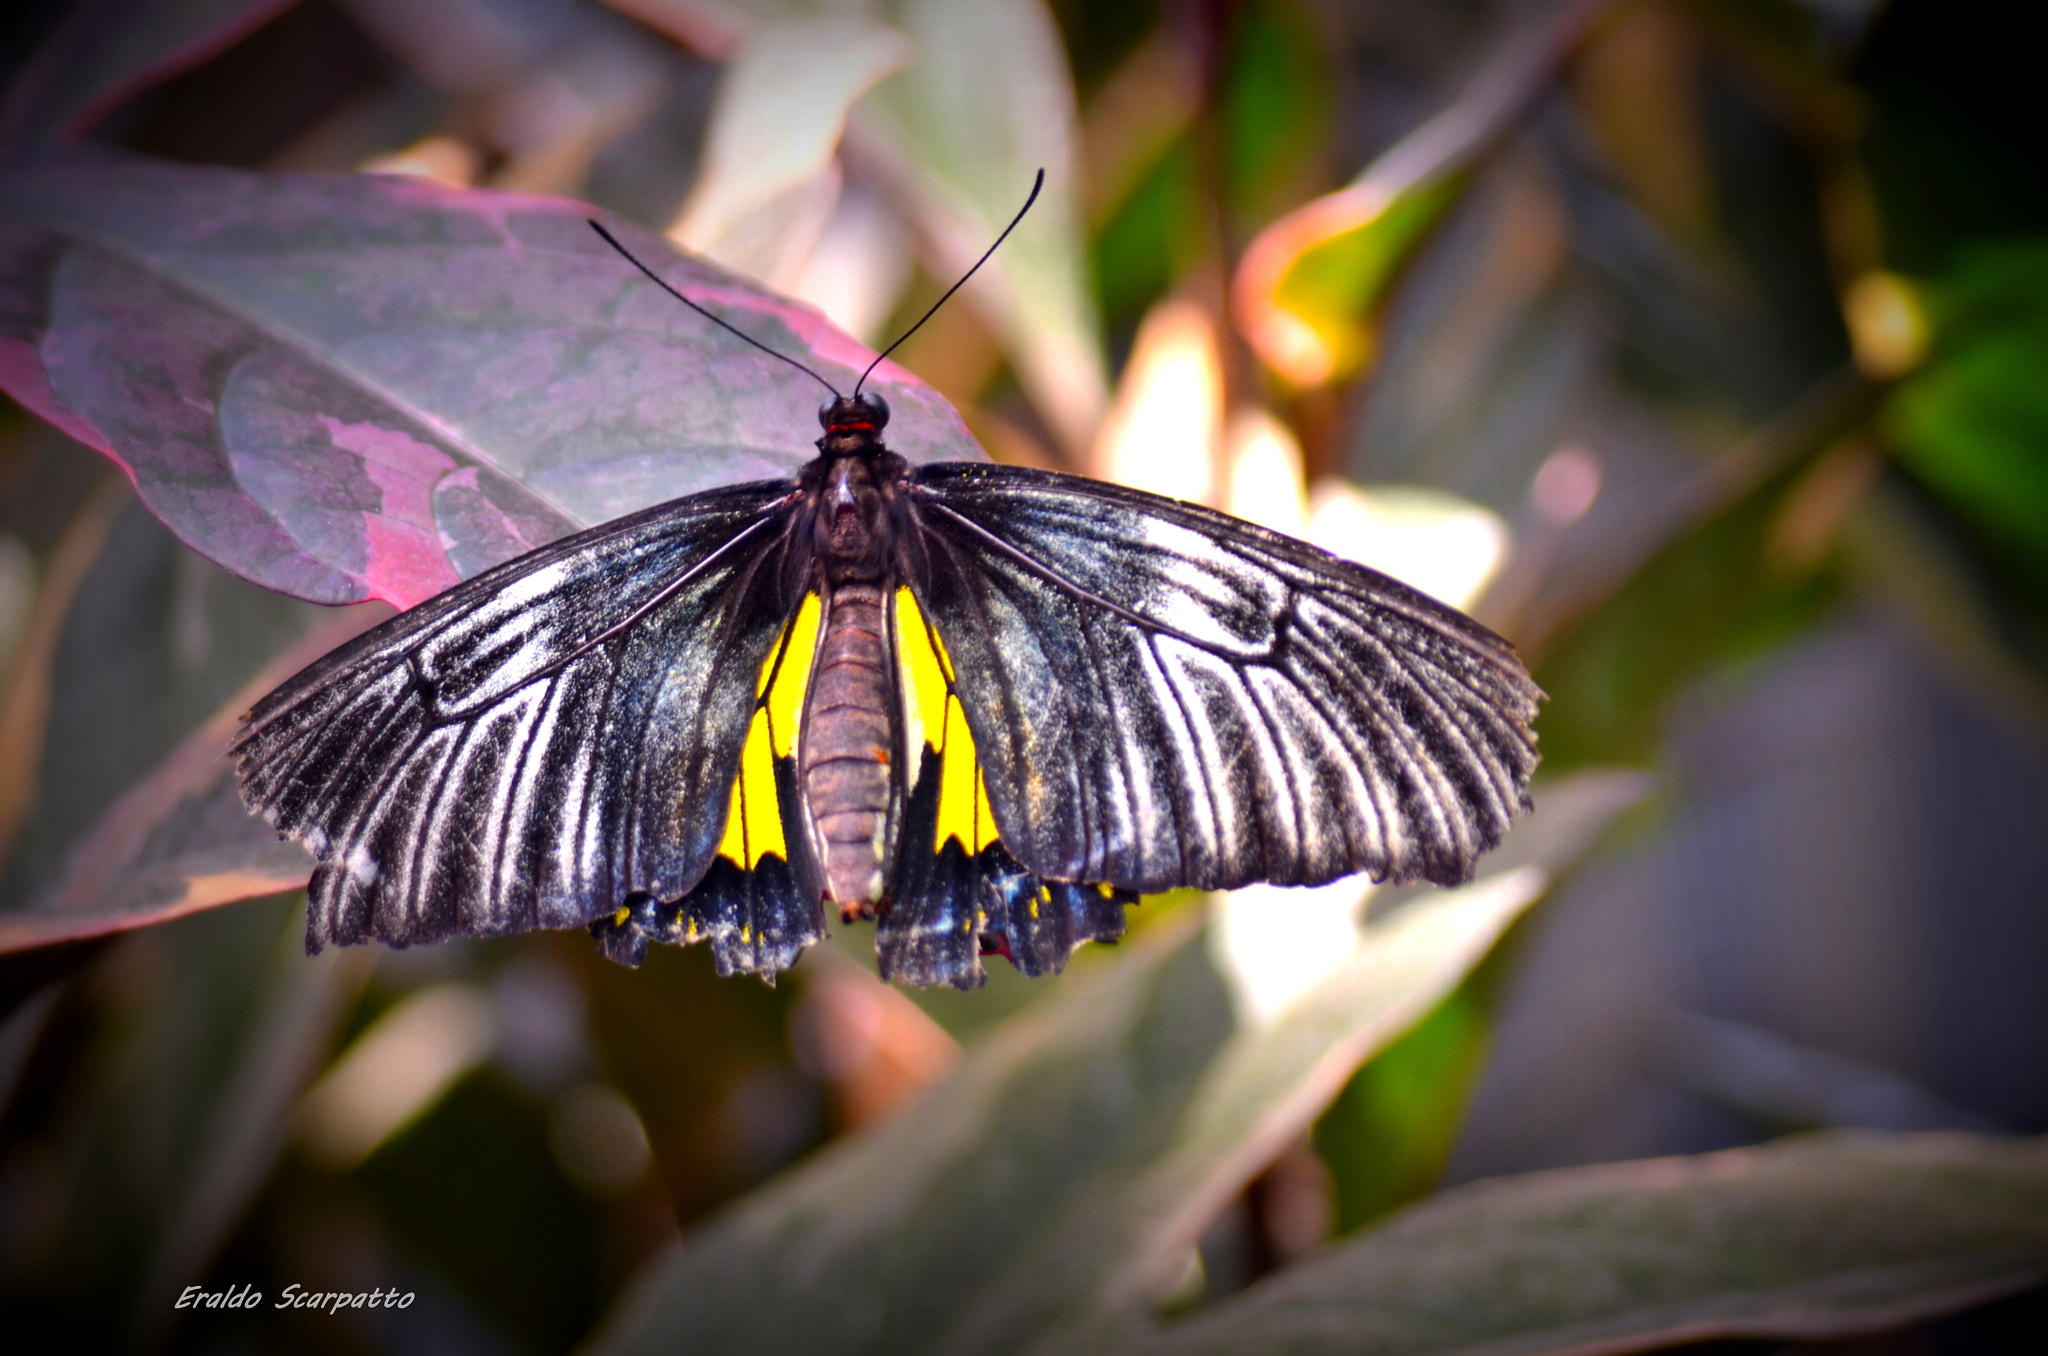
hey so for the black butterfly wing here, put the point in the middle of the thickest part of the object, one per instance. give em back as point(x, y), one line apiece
point(1162, 695)
point(957, 893)
point(534, 746)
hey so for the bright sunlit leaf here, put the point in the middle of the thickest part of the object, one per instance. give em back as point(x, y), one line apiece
point(1448, 547)
point(1264, 484)
point(1164, 432)
point(769, 184)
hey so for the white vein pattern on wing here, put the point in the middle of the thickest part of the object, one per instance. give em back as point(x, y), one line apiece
point(511, 792)
point(659, 597)
point(1075, 521)
point(496, 738)
point(1282, 776)
point(1451, 732)
point(1379, 799)
point(1195, 595)
point(311, 740)
point(1403, 741)
point(359, 825)
point(399, 821)
point(1288, 707)
point(1369, 642)
point(1119, 807)
point(1464, 718)
point(1195, 673)
point(430, 831)
point(1196, 807)
point(1488, 673)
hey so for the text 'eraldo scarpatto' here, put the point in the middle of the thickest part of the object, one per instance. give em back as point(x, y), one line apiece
point(294, 1297)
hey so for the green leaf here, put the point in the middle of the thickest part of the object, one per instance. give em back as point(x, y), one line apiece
point(1973, 423)
point(1308, 282)
point(1275, 110)
point(1056, 1184)
point(1808, 1238)
point(1387, 1138)
point(1345, 274)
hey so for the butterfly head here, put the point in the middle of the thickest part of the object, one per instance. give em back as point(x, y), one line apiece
point(862, 412)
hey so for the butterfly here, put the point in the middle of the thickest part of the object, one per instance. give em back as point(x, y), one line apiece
point(985, 706)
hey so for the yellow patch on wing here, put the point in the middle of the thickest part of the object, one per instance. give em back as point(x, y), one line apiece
point(936, 720)
point(784, 683)
point(753, 823)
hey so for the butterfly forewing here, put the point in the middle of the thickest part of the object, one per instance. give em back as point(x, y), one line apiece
point(1163, 695)
point(537, 743)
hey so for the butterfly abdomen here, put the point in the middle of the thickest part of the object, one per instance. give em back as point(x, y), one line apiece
point(844, 760)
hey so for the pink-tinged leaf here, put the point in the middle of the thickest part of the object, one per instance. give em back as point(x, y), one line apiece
point(350, 386)
point(104, 52)
point(25, 256)
point(179, 840)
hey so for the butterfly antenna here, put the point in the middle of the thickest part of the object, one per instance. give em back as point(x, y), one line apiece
point(611, 240)
point(1036, 184)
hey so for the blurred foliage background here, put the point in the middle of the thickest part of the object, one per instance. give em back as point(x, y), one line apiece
point(1697, 345)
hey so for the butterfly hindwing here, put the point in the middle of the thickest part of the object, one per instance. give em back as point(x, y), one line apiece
point(957, 892)
point(1163, 695)
point(758, 902)
point(536, 744)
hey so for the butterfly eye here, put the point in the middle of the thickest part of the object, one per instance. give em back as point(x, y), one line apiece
point(876, 407)
point(825, 409)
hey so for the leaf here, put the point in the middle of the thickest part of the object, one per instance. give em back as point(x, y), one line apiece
point(1330, 263)
point(347, 387)
point(1057, 1182)
point(1388, 1137)
point(104, 52)
point(771, 137)
point(299, 1002)
point(203, 1036)
point(959, 134)
point(27, 679)
point(1308, 282)
point(1972, 422)
point(180, 840)
point(1810, 1238)
point(152, 642)
point(985, 102)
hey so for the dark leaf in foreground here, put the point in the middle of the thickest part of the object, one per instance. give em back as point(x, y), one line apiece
point(1804, 1239)
point(1056, 1184)
point(107, 51)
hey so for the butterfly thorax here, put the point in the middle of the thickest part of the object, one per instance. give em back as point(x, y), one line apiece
point(846, 753)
